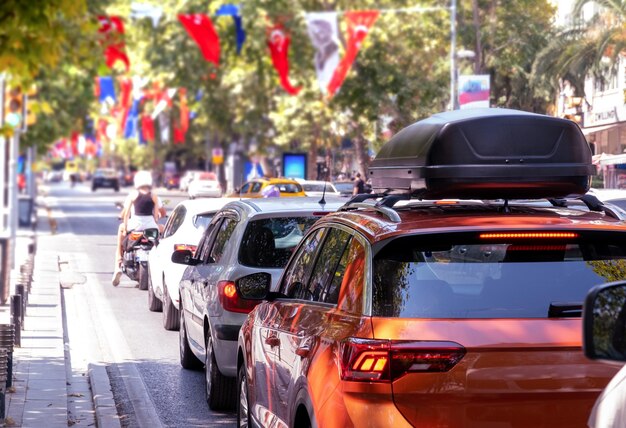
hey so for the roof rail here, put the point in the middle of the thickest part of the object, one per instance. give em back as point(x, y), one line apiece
point(591, 202)
point(390, 213)
point(384, 206)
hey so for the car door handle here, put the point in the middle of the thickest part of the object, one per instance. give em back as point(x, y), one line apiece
point(272, 341)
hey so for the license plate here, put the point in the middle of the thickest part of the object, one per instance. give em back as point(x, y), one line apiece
point(142, 256)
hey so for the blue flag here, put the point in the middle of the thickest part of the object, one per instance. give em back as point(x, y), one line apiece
point(131, 130)
point(234, 11)
point(107, 89)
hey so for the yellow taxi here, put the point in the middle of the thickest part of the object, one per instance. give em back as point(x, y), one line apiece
point(259, 187)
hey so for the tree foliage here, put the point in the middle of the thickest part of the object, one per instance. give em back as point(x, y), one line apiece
point(400, 75)
point(581, 48)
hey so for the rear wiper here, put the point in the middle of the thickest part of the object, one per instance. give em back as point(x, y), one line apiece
point(562, 310)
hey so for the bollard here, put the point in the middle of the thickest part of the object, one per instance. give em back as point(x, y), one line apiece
point(7, 339)
point(3, 389)
point(16, 309)
point(21, 290)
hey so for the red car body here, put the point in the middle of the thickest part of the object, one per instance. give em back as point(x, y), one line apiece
point(305, 361)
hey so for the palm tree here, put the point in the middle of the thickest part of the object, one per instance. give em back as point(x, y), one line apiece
point(584, 48)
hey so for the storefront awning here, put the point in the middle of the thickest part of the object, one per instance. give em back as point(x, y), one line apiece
point(591, 130)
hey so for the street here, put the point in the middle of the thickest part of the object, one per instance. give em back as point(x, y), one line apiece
point(113, 325)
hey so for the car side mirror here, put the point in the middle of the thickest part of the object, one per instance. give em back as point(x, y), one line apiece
point(604, 322)
point(184, 257)
point(255, 286)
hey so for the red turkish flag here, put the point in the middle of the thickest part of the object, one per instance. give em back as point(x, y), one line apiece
point(359, 24)
point(278, 41)
point(200, 28)
point(147, 127)
point(112, 30)
point(182, 124)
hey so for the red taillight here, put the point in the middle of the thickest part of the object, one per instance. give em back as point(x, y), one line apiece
point(372, 360)
point(135, 235)
point(230, 298)
point(527, 235)
point(187, 247)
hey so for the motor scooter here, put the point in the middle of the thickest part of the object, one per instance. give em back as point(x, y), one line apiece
point(136, 246)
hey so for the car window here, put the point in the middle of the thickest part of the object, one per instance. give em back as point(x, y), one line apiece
point(289, 187)
point(325, 270)
point(222, 237)
point(449, 277)
point(178, 220)
point(168, 225)
point(269, 242)
point(204, 246)
point(201, 221)
point(256, 187)
point(299, 269)
point(245, 188)
point(348, 283)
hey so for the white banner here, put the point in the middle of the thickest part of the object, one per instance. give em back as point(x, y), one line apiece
point(324, 34)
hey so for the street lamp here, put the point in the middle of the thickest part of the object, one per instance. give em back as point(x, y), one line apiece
point(453, 55)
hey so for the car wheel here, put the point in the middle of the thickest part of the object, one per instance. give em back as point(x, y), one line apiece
point(170, 313)
point(220, 389)
point(154, 304)
point(94, 188)
point(187, 359)
point(143, 276)
point(117, 188)
point(243, 412)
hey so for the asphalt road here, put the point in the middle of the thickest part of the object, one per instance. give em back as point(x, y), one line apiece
point(113, 325)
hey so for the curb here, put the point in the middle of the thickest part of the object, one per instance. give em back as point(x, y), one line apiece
point(104, 405)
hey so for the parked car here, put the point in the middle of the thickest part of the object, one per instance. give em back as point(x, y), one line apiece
point(105, 178)
point(439, 314)
point(245, 237)
point(172, 182)
point(204, 185)
point(54, 176)
point(183, 229)
point(615, 197)
point(604, 327)
point(344, 188)
point(127, 177)
point(187, 178)
point(317, 188)
point(254, 188)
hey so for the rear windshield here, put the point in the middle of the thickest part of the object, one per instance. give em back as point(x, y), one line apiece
point(344, 187)
point(268, 243)
point(288, 187)
point(316, 188)
point(201, 221)
point(444, 277)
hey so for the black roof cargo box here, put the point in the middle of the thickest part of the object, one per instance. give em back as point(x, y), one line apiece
point(485, 154)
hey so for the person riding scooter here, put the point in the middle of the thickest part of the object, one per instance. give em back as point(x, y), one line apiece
point(140, 212)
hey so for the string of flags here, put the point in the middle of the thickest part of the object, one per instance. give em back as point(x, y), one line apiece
point(322, 28)
point(133, 110)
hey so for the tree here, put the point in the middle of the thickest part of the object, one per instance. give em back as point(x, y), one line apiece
point(578, 50)
point(506, 37)
point(39, 36)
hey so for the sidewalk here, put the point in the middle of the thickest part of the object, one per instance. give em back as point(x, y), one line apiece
point(47, 391)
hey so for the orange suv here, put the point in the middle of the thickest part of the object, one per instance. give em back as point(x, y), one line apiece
point(459, 306)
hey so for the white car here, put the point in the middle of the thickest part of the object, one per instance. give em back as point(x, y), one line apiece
point(188, 178)
point(204, 185)
point(184, 228)
point(316, 188)
point(247, 238)
point(615, 197)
